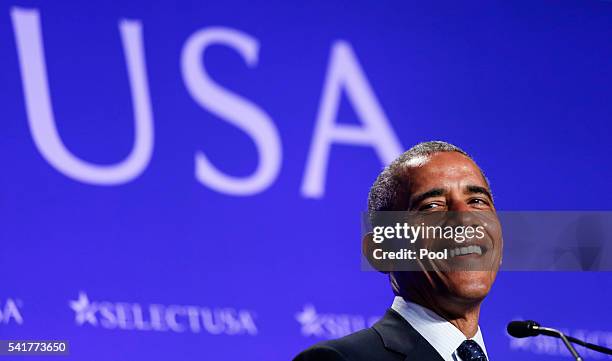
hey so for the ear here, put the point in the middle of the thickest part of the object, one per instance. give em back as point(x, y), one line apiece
point(501, 256)
point(367, 250)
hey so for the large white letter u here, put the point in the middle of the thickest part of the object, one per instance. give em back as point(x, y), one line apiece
point(28, 36)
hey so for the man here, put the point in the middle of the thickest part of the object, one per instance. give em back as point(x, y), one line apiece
point(435, 313)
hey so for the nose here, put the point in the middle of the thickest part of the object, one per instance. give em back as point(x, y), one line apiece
point(460, 214)
point(458, 205)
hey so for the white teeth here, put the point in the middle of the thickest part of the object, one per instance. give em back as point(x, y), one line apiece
point(465, 250)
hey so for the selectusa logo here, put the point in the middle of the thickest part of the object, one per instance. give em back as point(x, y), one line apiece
point(330, 325)
point(156, 317)
point(9, 311)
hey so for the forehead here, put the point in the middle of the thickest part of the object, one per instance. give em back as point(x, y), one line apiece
point(443, 170)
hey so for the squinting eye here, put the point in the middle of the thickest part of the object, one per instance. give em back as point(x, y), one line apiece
point(479, 201)
point(429, 206)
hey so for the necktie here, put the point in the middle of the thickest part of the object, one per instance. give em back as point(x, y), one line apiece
point(470, 351)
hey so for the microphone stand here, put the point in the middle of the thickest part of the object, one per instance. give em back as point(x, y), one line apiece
point(556, 333)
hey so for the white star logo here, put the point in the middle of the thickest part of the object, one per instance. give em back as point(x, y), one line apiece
point(85, 311)
point(309, 319)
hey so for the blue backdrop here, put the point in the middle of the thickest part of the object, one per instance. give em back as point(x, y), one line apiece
point(184, 180)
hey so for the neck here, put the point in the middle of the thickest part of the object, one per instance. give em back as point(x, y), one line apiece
point(464, 316)
point(467, 323)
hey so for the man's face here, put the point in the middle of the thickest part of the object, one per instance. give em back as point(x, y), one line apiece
point(449, 182)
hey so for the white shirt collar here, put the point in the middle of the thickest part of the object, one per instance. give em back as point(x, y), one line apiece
point(440, 333)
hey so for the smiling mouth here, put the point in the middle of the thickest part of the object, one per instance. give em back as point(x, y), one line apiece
point(466, 250)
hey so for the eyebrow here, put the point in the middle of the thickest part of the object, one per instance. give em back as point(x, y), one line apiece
point(471, 189)
point(436, 192)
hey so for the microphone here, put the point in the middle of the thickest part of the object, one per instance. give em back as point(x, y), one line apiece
point(530, 328)
point(521, 329)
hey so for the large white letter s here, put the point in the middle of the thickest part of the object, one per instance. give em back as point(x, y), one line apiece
point(233, 108)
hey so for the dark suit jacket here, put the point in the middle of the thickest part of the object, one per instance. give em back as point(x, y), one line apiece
point(390, 339)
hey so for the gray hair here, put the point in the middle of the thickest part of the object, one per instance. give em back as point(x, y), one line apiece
point(384, 192)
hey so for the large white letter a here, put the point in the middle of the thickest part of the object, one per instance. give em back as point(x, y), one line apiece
point(344, 72)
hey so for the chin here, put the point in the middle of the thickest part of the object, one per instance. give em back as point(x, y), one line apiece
point(470, 286)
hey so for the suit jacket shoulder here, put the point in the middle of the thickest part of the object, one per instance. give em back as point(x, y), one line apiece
point(390, 339)
point(362, 345)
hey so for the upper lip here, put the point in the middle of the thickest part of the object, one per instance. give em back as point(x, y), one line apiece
point(483, 244)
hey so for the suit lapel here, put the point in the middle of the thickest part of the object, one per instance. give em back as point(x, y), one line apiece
point(398, 335)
